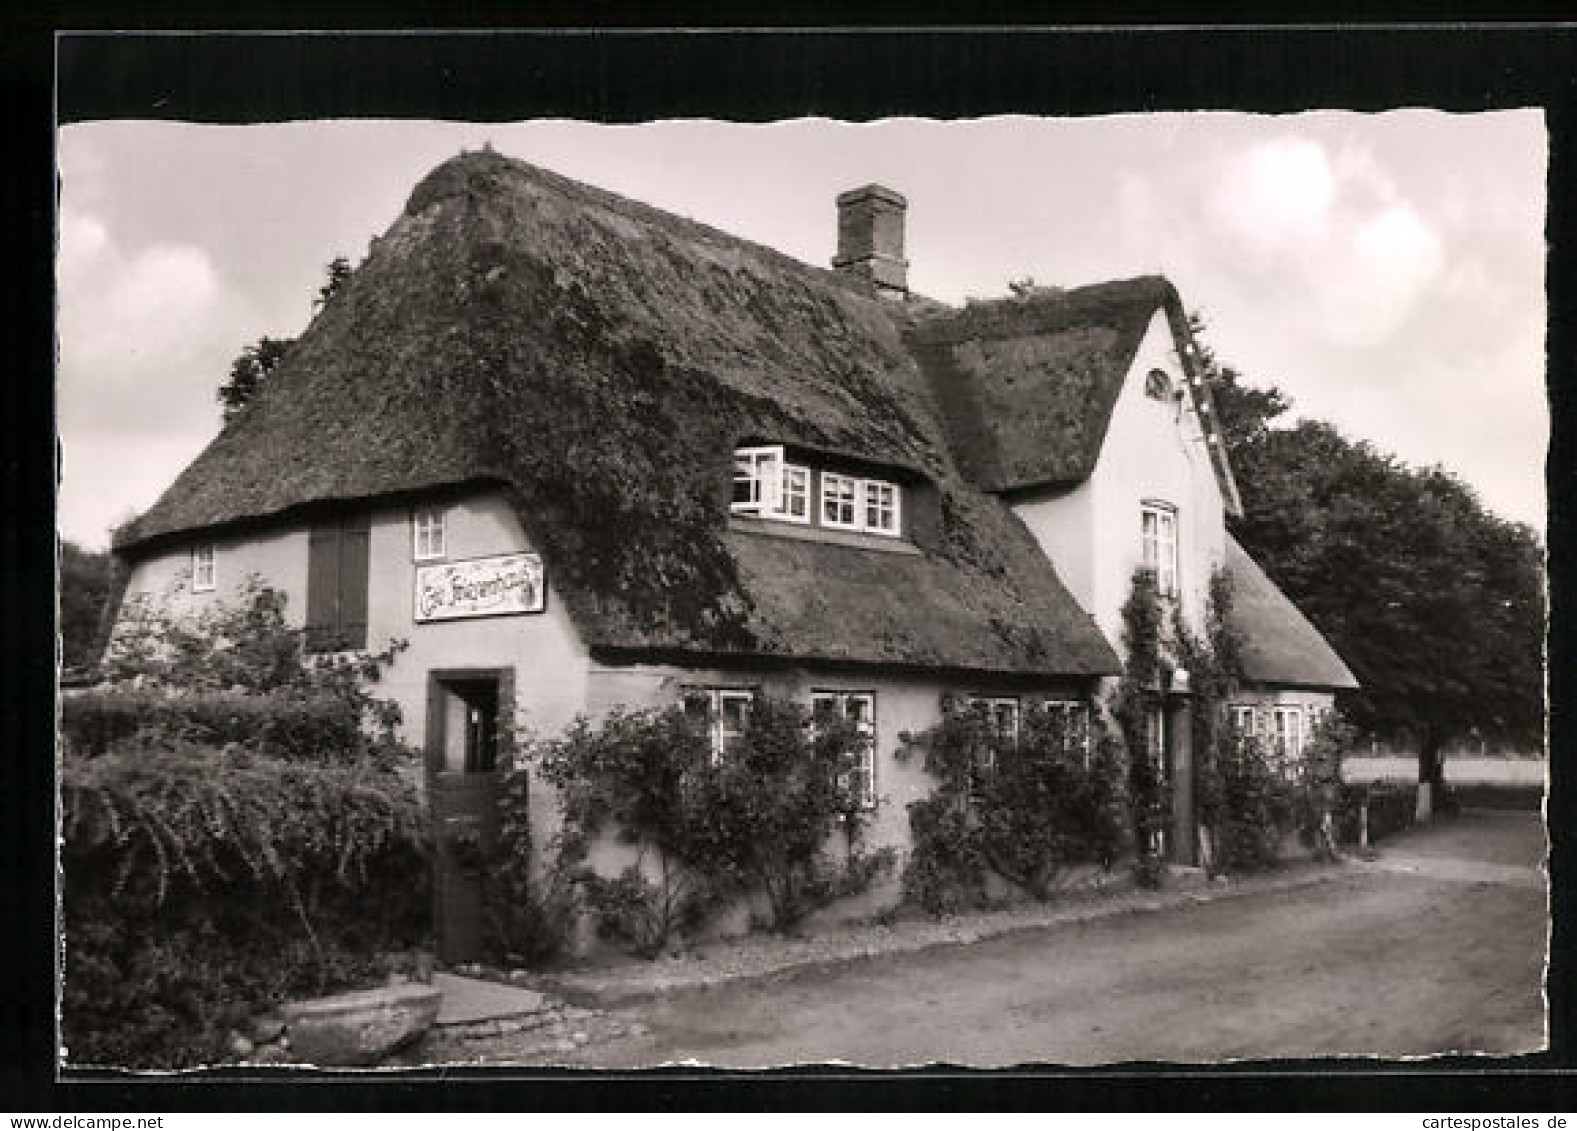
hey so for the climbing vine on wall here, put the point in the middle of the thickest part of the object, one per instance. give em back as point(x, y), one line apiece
point(1132, 706)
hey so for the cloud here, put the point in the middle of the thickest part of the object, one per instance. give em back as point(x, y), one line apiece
point(146, 335)
point(1276, 197)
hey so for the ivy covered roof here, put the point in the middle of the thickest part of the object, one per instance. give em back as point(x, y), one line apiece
point(599, 360)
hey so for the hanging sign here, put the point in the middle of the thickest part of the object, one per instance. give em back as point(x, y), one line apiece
point(502, 585)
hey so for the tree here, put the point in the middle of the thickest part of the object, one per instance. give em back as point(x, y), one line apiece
point(262, 357)
point(1436, 604)
point(248, 372)
point(84, 591)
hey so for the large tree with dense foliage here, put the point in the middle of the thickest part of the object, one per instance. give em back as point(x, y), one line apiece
point(1435, 603)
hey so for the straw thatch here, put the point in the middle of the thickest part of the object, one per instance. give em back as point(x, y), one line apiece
point(1028, 384)
point(601, 359)
point(1280, 646)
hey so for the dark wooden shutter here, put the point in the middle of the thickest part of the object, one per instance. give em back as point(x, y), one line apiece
point(353, 564)
point(323, 570)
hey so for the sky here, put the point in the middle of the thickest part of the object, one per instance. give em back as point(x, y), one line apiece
point(1386, 271)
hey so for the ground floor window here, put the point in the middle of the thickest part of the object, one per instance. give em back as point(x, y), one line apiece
point(1288, 733)
point(859, 707)
point(1002, 716)
point(725, 712)
point(1075, 718)
point(1245, 719)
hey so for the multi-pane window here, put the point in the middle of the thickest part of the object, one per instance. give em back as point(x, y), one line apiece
point(840, 501)
point(859, 707)
point(1075, 718)
point(795, 504)
point(1245, 719)
point(1002, 715)
point(1158, 530)
point(203, 568)
point(765, 485)
point(1289, 732)
point(881, 506)
point(725, 712)
point(427, 533)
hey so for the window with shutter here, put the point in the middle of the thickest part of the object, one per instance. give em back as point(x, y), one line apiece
point(337, 565)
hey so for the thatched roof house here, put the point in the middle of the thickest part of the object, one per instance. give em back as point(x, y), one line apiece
point(601, 360)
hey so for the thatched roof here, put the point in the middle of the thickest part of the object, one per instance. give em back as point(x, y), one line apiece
point(601, 359)
point(1280, 646)
point(1028, 384)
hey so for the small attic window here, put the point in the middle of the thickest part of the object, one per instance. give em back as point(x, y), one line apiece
point(767, 485)
point(1157, 385)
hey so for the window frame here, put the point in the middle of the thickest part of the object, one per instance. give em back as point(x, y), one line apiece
point(205, 567)
point(769, 475)
point(840, 698)
point(1167, 569)
point(856, 498)
point(1071, 710)
point(1249, 712)
point(794, 471)
point(895, 507)
point(436, 517)
point(1290, 739)
point(717, 733)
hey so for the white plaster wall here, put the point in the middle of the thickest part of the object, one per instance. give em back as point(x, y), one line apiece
point(276, 558)
point(1153, 451)
point(544, 649)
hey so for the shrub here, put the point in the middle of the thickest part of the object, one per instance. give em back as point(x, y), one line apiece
point(756, 820)
point(310, 726)
point(773, 803)
point(199, 889)
point(1255, 807)
point(1045, 804)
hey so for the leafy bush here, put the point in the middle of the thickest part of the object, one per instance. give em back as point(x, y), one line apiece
point(529, 915)
point(1044, 804)
point(1135, 699)
point(237, 828)
point(1256, 806)
point(1392, 807)
point(201, 888)
point(288, 725)
point(245, 647)
point(773, 803)
point(703, 831)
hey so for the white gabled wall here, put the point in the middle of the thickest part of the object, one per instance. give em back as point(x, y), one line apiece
point(1153, 451)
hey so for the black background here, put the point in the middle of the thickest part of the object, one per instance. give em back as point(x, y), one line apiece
point(246, 66)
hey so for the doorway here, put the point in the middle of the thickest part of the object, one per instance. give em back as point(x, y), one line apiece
point(467, 710)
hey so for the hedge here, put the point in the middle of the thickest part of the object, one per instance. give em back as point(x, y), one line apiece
point(293, 726)
point(200, 888)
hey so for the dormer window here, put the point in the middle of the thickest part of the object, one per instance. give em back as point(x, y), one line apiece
point(766, 485)
point(871, 505)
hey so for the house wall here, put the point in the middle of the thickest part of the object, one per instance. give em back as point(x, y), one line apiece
point(277, 558)
point(544, 649)
point(904, 703)
point(1153, 451)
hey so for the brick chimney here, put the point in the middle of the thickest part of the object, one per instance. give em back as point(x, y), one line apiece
point(870, 239)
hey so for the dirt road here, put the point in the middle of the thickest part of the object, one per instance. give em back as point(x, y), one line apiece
point(1387, 962)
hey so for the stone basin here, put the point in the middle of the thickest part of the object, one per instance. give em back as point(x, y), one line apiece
point(361, 1027)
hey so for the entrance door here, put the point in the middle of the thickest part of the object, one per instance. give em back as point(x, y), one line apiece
point(464, 709)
